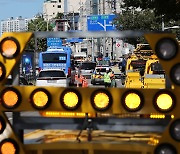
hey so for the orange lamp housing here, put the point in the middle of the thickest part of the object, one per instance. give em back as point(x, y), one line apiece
point(40, 99)
point(164, 101)
point(70, 99)
point(132, 100)
point(9, 47)
point(174, 130)
point(2, 71)
point(175, 73)
point(9, 146)
point(166, 48)
point(165, 148)
point(10, 98)
point(2, 124)
point(101, 100)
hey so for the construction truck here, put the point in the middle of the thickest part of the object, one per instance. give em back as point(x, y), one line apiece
point(134, 67)
point(154, 75)
point(143, 69)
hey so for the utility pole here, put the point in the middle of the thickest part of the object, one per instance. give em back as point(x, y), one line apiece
point(162, 22)
point(73, 18)
point(104, 7)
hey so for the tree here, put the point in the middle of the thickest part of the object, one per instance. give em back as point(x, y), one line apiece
point(38, 24)
point(132, 19)
point(143, 19)
point(170, 9)
point(59, 15)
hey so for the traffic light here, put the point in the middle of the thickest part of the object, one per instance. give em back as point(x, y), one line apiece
point(77, 101)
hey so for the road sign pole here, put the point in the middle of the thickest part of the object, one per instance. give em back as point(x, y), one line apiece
point(92, 42)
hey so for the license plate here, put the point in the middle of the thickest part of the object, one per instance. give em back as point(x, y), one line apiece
point(51, 81)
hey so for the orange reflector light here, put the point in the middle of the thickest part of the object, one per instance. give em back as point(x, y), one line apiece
point(40, 98)
point(2, 124)
point(157, 116)
point(101, 100)
point(2, 71)
point(65, 114)
point(10, 97)
point(9, 146)
point(9, 47)
point(132, 100)
point(164, 101)
point(70, 99)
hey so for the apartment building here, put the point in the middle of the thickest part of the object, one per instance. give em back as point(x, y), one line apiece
point(52, 7)
point(14, 25)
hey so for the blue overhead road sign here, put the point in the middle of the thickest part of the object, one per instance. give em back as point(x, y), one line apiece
point(54, 42)
point(101, 22)
point(74, 40)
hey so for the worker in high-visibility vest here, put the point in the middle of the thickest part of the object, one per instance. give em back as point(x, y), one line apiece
point(113, 81)
point(107, 78)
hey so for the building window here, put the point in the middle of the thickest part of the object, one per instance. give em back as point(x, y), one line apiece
point(59, 6)
point(59, 1)
point(53, 5)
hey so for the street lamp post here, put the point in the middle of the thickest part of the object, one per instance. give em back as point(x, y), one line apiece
point(173, 27)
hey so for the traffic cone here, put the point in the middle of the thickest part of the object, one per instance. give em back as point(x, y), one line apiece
point(84, 83)
point(81, 78)
point(76, 77)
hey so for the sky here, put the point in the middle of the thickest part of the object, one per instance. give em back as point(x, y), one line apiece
point(24, 8)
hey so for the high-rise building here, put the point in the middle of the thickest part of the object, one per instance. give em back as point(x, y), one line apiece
point(14, 25)
point(52, 7)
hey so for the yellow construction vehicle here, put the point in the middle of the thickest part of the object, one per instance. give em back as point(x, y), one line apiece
point(154, 75)
point(143, 69)
point(134, 69)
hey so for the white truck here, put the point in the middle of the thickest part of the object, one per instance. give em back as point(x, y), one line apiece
point(79, 57)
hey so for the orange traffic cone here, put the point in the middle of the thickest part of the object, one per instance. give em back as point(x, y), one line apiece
point(81, 78)
point(84, 83)
point(76, 77)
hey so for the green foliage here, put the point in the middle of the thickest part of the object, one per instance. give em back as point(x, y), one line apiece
point(59, 15)
point(145, 20)
point(132, 19)
point(38, 24)
point(170, 9)
point(137, 20)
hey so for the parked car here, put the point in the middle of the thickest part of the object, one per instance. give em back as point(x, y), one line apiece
point(52, 77)
point(86, 69)
point(98, 75)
